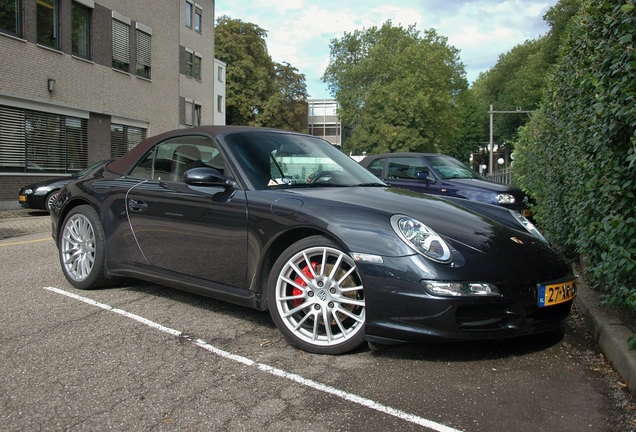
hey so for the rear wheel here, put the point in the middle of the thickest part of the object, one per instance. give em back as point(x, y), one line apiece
point(81, 249)
point(316, 297)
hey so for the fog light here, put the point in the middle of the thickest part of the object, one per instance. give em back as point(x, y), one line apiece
point(456, 289)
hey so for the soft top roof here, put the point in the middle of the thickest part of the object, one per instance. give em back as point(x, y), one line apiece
point(125, 163)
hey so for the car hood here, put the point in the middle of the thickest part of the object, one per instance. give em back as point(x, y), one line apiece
point(493, 231)
point(483, 184)
point(50, 183)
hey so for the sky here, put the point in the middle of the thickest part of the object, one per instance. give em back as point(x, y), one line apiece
point(299, 31)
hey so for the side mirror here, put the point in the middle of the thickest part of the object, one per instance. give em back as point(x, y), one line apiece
point(206, 176)
point(424, 175)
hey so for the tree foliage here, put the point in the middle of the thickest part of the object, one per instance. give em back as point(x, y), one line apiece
point(397, 89)
point(577, 156)
point(259, 91)
point(519, 77)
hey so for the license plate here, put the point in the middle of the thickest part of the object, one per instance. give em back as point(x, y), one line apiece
point(22, 198)
point(553, 294)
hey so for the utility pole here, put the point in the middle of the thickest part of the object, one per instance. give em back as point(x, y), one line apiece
point(492, 144)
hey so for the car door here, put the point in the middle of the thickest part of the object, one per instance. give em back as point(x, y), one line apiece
point(192, 230)
point(412, 173)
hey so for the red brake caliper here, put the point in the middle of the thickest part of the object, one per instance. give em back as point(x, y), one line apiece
point(301, 282)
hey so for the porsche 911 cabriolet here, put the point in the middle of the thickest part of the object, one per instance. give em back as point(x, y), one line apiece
point(283, 221)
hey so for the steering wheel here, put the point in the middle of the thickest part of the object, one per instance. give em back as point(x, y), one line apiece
point(321, 174)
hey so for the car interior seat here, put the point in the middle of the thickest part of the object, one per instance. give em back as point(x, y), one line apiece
point(185, 157)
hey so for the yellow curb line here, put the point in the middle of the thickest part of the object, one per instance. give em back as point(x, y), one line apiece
point(28, 241)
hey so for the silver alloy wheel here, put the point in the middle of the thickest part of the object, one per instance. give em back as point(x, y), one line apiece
point(320, 298)
point(78, 247)
point(50, 200)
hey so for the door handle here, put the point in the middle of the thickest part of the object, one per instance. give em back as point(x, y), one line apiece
point(137, 205)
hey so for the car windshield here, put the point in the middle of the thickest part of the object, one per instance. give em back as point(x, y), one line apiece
point(279, 160)
point(450, 168)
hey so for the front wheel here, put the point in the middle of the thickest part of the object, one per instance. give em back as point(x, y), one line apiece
point(81, 249)
point(50, 200)
point(316, 297)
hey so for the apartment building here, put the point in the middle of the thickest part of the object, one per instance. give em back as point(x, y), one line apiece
point(323, 120)
point(83, 80)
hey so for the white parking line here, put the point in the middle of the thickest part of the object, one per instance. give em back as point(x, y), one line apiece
point(411, 418)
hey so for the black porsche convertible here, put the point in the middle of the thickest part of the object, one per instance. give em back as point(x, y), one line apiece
point(284, 221)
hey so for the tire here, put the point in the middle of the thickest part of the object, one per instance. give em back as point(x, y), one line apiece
point(81, 249)
point(50, 200)
point(303, 295)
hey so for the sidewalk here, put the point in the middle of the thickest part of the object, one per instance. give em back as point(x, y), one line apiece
point(605, 326)
point(15, 223)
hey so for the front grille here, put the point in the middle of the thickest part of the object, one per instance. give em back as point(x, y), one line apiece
point(476, 318)
point(483, 317)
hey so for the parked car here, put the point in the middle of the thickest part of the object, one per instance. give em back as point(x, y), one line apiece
point(440, 174)
point(40, 195)
point(279, 220)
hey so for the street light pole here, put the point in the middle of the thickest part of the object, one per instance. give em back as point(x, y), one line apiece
point(492, 144)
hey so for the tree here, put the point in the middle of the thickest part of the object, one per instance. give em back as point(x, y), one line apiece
point(517, 80)
point(287, 108)
point(259, 91)
point(519, 77)
point(397, 89)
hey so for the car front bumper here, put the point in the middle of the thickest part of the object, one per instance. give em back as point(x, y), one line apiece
point(399, 309)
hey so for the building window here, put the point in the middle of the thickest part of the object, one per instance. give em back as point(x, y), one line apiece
point(124, 138)
point(192, 113)
point(197, 114)
point(219, 73)
point(10, 17)
point(192, 64)
point(197, 67)
point(197, 19)
point(189, 62)
point(188, 14)
point(81, 30)
point(47, 23)
point(189, 106)
point(121, 44)
point(33, 141)
point(144, 44)
point(219, 104)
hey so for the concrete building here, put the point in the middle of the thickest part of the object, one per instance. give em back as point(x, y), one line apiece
point(83, 80)
point(323, 120)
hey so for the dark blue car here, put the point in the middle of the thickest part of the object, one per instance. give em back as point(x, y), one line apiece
point(440, 174)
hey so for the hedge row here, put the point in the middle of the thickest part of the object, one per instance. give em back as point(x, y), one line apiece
point(577, 155)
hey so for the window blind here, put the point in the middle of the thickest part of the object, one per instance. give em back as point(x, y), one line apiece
point(121, 42)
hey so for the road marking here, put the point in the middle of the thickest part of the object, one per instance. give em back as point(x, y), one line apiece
point(266, 368)
point(27, 241)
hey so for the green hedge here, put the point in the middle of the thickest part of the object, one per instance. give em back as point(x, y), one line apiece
point(577, 155)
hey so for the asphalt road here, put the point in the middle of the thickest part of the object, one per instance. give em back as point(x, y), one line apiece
point(146, 357)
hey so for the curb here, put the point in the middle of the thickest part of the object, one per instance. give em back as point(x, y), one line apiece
point(610, 334)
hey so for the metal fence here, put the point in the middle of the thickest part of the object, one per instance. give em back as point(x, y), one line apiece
point(503, 176)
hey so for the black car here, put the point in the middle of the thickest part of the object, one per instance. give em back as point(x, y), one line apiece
point(284, 221)
point(440, 174)
point(41, 195)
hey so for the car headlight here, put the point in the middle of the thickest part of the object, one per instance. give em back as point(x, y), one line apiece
point(421, 238)
point(41, 192)
point(456, 289)
point(27, 191)
point(504, 198)
point(528, 225)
